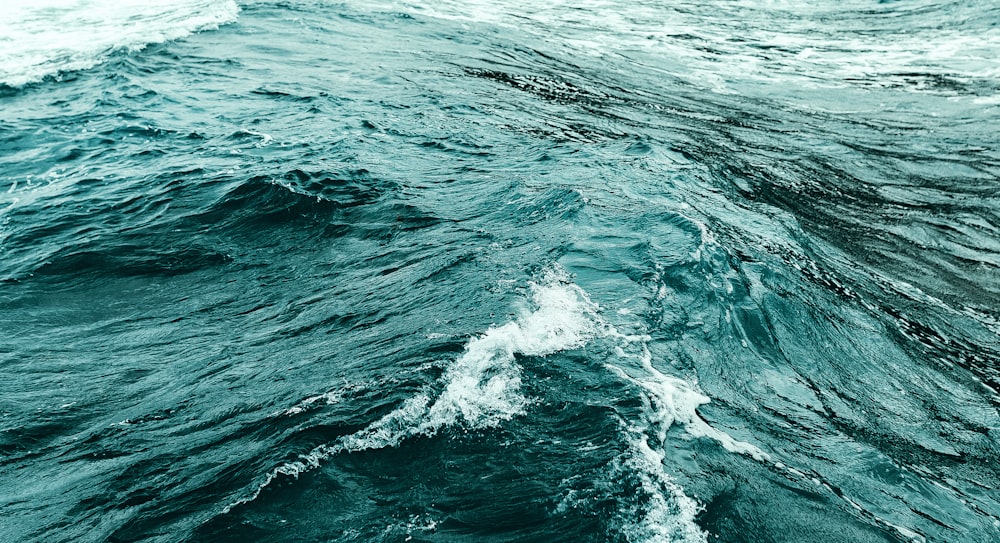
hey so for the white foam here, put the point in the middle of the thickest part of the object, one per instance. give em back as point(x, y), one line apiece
point(45, 37)
point(671, 400)
point(988, 100)
point(483, 385)
point(808, 51)
point(329, 398)
point(669, 515)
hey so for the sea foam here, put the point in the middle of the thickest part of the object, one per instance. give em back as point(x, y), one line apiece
point(40, 38)
point(666, 514)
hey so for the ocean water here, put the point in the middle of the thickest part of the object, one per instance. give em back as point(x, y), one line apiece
point(451, 271)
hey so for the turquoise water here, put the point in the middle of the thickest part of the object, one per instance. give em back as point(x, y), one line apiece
point(465, 271)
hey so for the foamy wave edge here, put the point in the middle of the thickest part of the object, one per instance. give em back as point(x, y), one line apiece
point(25, 62)
point(482, 387)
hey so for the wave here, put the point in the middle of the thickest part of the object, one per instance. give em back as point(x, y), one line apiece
point(482, 387)
point(44, 38)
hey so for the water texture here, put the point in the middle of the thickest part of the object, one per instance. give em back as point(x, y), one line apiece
point(299, 271)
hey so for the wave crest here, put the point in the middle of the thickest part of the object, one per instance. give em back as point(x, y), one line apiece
point(482, 387)
point(47, 37)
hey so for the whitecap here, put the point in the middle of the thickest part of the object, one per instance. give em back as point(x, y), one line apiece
point(673, 401)
point(482, 387)
point(39, 38)
point(667, 513)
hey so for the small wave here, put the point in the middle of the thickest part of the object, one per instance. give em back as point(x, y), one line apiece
point(667, 513)
point(47, 37)
point(670, 400)
point(130, 260)
point(482, 387)
point(318, 198)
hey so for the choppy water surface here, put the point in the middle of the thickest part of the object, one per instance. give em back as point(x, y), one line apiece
point(458, 271)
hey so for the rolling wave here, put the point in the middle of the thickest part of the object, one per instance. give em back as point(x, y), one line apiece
point(51, 37)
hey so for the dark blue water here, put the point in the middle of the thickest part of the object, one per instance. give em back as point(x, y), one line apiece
point(457, 271)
